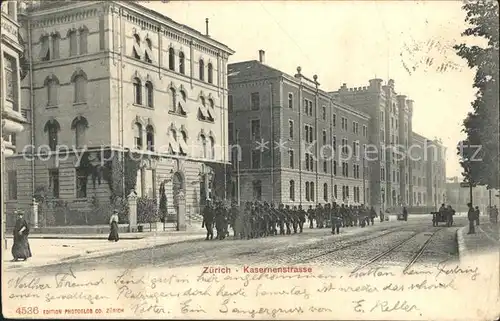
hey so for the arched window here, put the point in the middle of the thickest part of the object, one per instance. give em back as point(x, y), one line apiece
point(173, 100)
point(55, 45)
point(203, 146)
point(150, 140)
point(307, 192)
point(137, 91)
point(83, 40)
point(52, 129)
point(137, 47)
point(210, 73)
point(335, 191)
point(182, 68)
point(201, 69)
point(212, 147)
point(138, 136)
point(325, 192)
point(171, 58)
point(52, 85)
point(80, 125)
point(80, 83)
point(292, 190)
point(149, 91)
point(257, 190)
point(73, 43)
point(149, 51)
point(183, 143)
point(311, 190)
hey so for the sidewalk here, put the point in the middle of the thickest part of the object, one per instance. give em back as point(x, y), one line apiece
point(53, 249)
point(486, 239)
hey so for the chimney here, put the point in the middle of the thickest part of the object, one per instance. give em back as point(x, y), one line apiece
point(262, 56)
point(206, 27)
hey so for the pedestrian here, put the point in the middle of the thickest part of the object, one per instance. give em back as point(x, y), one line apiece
point(208, 220)
point(21, 247)
point(471, 215)
point(405, 213)
point(113, 227)
point(495, 214)
point(477, 215)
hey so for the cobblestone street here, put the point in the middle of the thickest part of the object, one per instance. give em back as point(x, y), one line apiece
point(388, 243)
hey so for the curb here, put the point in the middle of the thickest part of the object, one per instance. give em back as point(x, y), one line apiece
point(462, 248)
point(78, 237)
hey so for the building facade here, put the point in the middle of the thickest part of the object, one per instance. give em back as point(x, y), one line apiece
point(12, 120)
point(290, 142)
point(113, 79)
point(458, 196)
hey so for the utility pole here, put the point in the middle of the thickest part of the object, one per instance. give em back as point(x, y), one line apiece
point(238, 165)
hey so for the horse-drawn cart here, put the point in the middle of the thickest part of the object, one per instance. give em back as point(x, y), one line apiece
point(441, 217)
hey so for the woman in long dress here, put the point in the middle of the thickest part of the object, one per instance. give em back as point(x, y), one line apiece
point(21, 247)
point(113, 223)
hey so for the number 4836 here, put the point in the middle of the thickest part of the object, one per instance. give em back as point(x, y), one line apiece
point(27, 310)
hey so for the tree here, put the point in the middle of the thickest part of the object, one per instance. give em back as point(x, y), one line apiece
point(163, 205)
point(482, 124)
point(147, 211)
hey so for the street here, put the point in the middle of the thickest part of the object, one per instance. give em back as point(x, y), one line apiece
point(389, 243)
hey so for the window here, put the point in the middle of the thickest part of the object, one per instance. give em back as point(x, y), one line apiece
point(149, 93)
point(365, 131)
point(334, 120)
point(311, 190)
point(335, 191)
point(344, 124)
point(255, 127)
point(12, 179)
point(56, 43)
point(307, 192)
point(83, 40)
point(325, 166)
point(173, 100)
point(171, 59)
point(355, 146)
point(345, 149)
point(355, 127)
point(292, 190)
point(182, 63)
point(257, 190)
point(137, 52)
point(54, 182)
point(45, 48)
point(256, 158)
point(80, 125)
point(308, 107)
point(291, 159)
point(255, 101)
point(325, 192)
point(138, 136)
point(204, 146)
point(81, 183)
point(73, 43)
point(324, 112)
point(324, 137)
point(52, 85)
point(137, 91)
point(212, 147)
point(201, 72)
point(210, 73)
point(382, 174)
point(230, 103)
point(11, 80)
point(334, 168)
point(52, 128)
point(80, 83)
point(290, 128)
point(148, 56)
point(150, 138)
point(102, 38)
point(334, 143)
point(290, 100)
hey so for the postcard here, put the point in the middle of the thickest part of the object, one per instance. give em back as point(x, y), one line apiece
point(250, 160)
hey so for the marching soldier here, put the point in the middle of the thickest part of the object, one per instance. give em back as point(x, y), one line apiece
point(288, 219)
point(336, 219)
point(236, 221)
point(373, 214)
point(274, 219)
point(220, 221)
point(247, 220)
point(208, 220)
point(281, 219)
point(319, 216)
point(310, 216)
point(302, 218)
point(295, 219)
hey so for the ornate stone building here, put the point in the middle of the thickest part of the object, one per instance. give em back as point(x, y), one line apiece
point(113, 79)
point(12, 120)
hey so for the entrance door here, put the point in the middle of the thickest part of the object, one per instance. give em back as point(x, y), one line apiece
point(178, 186)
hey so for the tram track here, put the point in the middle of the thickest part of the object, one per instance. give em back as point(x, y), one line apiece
point(421, 251)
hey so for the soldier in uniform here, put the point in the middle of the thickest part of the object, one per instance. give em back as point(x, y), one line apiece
point(336, 219)
point(247, 220)
point(288, 219)
point(319, 216)
point(274, 219)
point(281, 218)
point(310, 216)
point(295, 219)
point(235, 219)
point(208, 220)
point(373, 214)
point(219, 221)
point(302, 218)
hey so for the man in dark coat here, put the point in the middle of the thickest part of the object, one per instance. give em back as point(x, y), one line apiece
point(21, 247)
point(302, 218)
point(471, 216)
point(477, 215)
point(208, 220)
point(310, 216)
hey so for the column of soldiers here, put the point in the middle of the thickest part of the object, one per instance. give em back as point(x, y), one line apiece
point(261, 219)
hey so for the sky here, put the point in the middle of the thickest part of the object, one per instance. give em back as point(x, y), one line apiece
point(352, 42)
